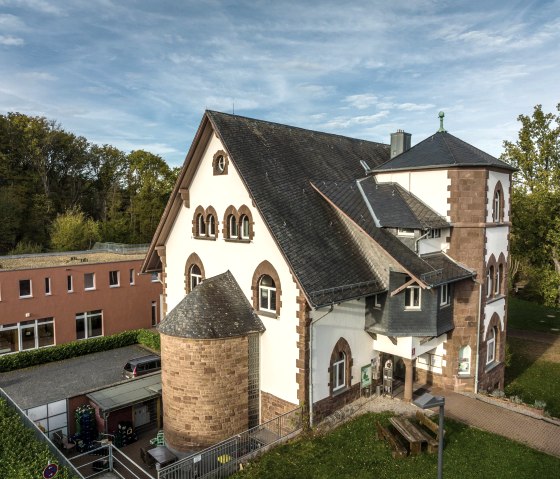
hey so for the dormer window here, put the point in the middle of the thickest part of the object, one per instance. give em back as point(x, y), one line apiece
point(435, 233)
point(444, 295)
point(412, 296)
point(405, 232)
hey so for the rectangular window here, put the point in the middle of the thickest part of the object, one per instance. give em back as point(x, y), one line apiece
point(435, 233)
point(444, 295)
point(412, 297)
point(339, 373)
point(405, 231)
point(69, 283)
point(155, 278)
point(89, 325)
point(89, 281)
point(26, 335)
point(154, 313)
point(48, 286)
point(45, 332)
point(25, 288)
point(9, 338)
point(113, 279)
point(131, 276)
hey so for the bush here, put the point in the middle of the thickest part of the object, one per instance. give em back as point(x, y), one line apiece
point(22, 456)
point(150, 339)
point(34, 357)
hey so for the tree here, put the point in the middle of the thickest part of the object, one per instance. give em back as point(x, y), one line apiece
point(72, 231)
point(535, 238)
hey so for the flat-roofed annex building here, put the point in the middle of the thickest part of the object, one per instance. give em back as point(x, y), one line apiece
point(55, 298)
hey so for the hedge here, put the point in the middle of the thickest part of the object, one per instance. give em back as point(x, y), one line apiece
point(22, 456)
point(25, 359)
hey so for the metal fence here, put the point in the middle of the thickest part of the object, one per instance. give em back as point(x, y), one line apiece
point(223, 459)
point(121, 248)
point(40, 436)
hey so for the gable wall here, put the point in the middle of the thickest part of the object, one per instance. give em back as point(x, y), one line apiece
point(430, 186)
point(278, 343)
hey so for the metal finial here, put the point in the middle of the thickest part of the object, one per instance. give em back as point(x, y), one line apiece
point(441, 128)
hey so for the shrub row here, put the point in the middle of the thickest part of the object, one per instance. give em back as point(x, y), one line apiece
point(26, 359)
point(22, 456)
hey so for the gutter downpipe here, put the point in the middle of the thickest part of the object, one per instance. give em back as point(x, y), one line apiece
point(311, 363)
point(478, 338)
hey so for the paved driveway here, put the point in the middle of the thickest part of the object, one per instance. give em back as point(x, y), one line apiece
point(51, 382)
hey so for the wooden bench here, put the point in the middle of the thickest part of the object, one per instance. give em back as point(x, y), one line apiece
point(425, 421)
point(410, 433)
point(398, 450)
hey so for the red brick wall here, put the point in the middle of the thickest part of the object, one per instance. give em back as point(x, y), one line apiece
point(327, 406)
point(204, 390)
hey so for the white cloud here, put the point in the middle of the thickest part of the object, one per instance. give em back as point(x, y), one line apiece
point(11, 41)
point(415, 106)
point(362, 120)
point(37, 5)
point(362, 101)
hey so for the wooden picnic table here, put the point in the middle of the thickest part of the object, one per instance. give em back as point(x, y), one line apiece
point(410, 433)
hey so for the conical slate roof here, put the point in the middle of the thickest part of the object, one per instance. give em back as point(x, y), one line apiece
point(216, 308)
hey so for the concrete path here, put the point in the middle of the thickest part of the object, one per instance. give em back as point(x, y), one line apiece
point(537, 433)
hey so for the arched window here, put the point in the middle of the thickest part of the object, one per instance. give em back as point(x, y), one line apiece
point(490, 281)
point(195, 276)
point(232, 227)
point(211, 226)
point(339, 372)
point(499, 278)
point(498, 204)
point(200, 225)
point(267, 291)
point(245, 227)
point(194, 272)
point(340, 367)
point(491, 346)
point(267, 294)
point(465, 361)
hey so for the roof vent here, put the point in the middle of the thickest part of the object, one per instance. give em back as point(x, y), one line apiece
point(400, 142)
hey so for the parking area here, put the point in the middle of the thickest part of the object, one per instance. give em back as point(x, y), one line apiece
point(56, 381)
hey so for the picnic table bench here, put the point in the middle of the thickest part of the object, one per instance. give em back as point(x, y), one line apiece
point(383, 433)
point(411, 434)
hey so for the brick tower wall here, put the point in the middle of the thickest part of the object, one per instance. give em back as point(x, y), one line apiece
point(204, 390)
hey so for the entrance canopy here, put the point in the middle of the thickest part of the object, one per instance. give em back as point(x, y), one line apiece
point(127, 393)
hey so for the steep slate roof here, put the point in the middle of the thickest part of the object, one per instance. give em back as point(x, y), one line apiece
point(395, 207)
point(441, 150)
point(216, 308)
point(433, 269)
point(276, 162)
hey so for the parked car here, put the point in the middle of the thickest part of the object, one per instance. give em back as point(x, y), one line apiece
point(140, 366)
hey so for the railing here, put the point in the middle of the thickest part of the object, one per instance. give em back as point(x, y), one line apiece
point(121, 248)
point(223, 459)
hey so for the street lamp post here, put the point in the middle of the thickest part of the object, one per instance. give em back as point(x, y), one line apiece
point(427, 401)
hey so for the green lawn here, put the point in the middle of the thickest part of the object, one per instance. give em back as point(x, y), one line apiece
point(353, 451)
point(532, 316)
point(532, 379)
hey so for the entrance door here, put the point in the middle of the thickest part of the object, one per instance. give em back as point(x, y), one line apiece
point(141, 415)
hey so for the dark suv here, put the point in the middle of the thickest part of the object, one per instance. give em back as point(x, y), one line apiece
point(140, 366)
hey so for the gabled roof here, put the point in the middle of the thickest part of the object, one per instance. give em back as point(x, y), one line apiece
point(276, 162)
point(216, 308)
point(432, 270)
point(441, 150)
point(395, 207)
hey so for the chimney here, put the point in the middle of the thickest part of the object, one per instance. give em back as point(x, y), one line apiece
point(400, 142)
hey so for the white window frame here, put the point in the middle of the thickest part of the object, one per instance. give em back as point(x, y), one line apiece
point(211, 226)
point(413, 291)
point(131, 277)
point(92, 287)
point(376, 302)
point(48, 286)
point(244, 222)
point(194, 278)
point(200, 225)
point(498, 280)
point(154, 313)
point(490, 281)
point(336, 367)
point(435, 233)
point(155, 277)
point(70, 283)
point(444, 295)
point(465, 361)
point(87, 317)
point(491, 346)
point(113, 284)
point(496, 214)
point(270, 290)
point(30, 295)
point(233, 230)
point(34, 325)
point(406, 232)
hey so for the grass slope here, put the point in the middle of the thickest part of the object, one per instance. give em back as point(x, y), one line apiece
point(353, 451)
point(532, 316)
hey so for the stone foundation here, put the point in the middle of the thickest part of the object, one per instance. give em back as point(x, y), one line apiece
point(327, 406)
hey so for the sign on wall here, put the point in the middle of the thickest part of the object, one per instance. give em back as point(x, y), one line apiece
point(365, 376)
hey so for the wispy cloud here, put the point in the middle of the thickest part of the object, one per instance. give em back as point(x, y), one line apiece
point(11, 41)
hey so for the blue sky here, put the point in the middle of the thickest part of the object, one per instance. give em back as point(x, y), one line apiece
point(139, 74)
